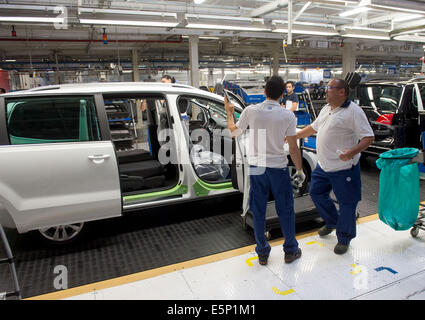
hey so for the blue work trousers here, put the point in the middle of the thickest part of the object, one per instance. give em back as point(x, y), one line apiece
point(262, 180)
point(346, 185)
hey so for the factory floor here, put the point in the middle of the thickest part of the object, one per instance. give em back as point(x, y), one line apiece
point(380, 264)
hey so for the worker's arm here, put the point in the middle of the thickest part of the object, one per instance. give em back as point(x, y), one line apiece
point(144, 105)
point(361, 146)
point(306, 132)
point(230, 109)
point(294, 106)
point(294, 152)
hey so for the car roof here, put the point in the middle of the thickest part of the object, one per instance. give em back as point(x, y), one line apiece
point(395, 82)
point(113, 87)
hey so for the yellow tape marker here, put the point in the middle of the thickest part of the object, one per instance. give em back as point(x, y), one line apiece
point(315, 242)
point(248, 261)
point(283, 293)
point(356, 269)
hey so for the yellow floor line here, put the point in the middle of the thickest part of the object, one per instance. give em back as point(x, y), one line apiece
point(57, 295)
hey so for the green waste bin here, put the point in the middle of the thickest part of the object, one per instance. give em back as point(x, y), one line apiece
point(398, 188)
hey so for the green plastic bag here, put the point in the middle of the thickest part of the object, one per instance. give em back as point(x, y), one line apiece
point(398, 188)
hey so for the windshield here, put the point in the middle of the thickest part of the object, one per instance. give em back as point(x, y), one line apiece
point(384, 98)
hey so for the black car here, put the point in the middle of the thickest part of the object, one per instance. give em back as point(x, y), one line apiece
point(394, 110)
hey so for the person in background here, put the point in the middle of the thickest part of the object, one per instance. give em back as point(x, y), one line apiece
point(2, 90)
point(343, 132)
point(290, 100)
point(268, 165)
point(165, 79)
point(168, 79)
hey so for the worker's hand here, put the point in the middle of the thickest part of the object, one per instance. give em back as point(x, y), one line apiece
point(344, 155)
point(299, 178)
point(230, 108)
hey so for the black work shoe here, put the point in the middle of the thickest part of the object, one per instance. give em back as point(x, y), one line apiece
point(324, 231)
point(341, 248)
point(263, 260)
point(289, 257)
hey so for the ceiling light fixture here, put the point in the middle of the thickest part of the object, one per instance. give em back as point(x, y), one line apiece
point(309, 32)
point(412, 38)
point(31, 19)
point(224, 27)
point(129, 23)
point(129, 12)
point(197, 17)
point(366, 36)
point(306, 29)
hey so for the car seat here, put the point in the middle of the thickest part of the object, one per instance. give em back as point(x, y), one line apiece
point(139, 169)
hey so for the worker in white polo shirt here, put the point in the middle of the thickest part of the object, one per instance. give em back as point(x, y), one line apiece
point(269, 124)
point(343, 132)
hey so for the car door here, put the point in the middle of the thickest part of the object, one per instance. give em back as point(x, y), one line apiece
point(240, 169)
point(235, 99)
point(58, 165)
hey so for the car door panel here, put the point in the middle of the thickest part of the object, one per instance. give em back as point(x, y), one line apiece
point(241, 168)
point(45, 183)
point(53, 184)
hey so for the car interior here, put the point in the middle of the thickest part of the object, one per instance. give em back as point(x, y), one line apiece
point(139, 166)
point(210, 144)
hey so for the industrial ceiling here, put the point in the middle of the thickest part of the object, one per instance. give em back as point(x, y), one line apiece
point(230, 32)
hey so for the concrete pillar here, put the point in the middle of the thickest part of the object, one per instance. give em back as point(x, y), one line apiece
point(286, 74)
point(348, 58)
point(210, 77)
point(194, 61)
point(135, 64)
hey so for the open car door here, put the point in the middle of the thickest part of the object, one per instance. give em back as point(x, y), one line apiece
point(240, 169)
point(235, 98)
point(239, 166)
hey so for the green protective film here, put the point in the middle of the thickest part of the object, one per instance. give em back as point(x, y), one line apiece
point(84, 133)
point(177, 190)
point(21, 140)
point(203, 188)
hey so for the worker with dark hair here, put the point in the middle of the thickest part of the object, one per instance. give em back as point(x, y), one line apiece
point(343, 132)
point(168, 79)
point(2, 90)
point(269, 124)
point(290, 100)
point(164, 79)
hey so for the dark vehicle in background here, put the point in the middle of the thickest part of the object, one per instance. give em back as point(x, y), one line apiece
point(393, 110)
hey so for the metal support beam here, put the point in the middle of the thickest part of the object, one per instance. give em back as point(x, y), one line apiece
point(267, 8)
point(397, 6)
point(290, 21)
point(303, 9)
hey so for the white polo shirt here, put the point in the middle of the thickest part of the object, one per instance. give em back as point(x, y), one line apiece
point(269, 123)
point(339, 129)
